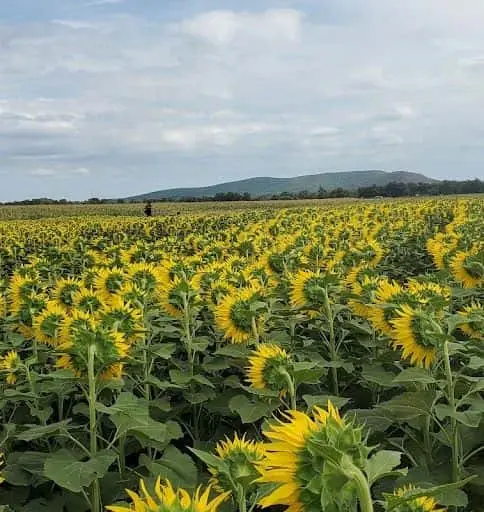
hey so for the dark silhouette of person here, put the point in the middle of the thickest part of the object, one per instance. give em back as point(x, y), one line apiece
point(148, 209)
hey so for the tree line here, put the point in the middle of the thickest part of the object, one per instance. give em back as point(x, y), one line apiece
point(392, 189)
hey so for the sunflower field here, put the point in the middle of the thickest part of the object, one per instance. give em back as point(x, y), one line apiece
point(305, 359)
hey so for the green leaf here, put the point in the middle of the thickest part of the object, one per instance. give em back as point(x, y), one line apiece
point(378, 375)
point(184, 378)
point(251, 410)
point(235, 351)
point(68, 472)
point(177, 467)
point(308, 372)
point(413, 375)
point(163, 350)
point(373, 420)
point(131, 414)
point(468, 418)
point(322, 400)
point(212, 461)
point(408, 406)
point(36, 432)
point(382, 465)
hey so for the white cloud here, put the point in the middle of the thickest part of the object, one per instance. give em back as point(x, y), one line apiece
point(83, 171)
point(42, 172)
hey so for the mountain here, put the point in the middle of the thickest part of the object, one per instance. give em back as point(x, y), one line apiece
point(311, 182)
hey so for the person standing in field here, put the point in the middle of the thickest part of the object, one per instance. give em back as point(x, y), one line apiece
point(148, 209)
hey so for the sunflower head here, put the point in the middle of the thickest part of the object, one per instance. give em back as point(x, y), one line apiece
point(269, 366)
point(241, 457)
point(218, 290)
point(10, 363)
point(122, 316)
point(166, 499)
point(22, 290)
point(296, 461)
point(474, 320)
point(145, 276)
point(85, 335)
point(309, 289)
point(109, 281)
point(420, 504)
point(65, 290)
point(468, 268)
point(238, 313)
point(418, 334)
point(47, 325)
point(177, 295)
point(87, 300)
point(430, 294)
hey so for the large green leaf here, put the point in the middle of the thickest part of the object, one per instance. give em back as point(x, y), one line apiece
point(408, 406)
point(251, 410)
point(36, 432)
point(68, 472)
point(414, 375)
point(382, 464)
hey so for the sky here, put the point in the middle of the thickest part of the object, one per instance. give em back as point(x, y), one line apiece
point(111, 98)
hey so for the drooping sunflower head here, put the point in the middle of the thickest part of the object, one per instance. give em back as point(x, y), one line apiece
point(269, 366)
point(369, 251)
point(241, 456)
point(167, 499)
point(417, 334)
point(467, 267)
point(363, 291)
point(109, 347)
point(10, 364)
point(88, 300)
point(218, 290)
point(23, 289)
point(309, 290)
point(64, 291)
point(430, 294)
point(122, 316)
point(420, 504)
point(474, 321)
point(358, 273)
point(28, 309)
point(239, 314)
point(177, 295)
point(294, 455)
point(145, 276)
point(48, 324)
point(109, 281)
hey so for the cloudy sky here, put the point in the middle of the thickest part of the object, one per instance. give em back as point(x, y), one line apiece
point(116, 97)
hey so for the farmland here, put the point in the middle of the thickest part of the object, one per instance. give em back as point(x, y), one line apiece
point(309, 357)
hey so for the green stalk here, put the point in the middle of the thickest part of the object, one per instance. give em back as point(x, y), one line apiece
point(96, 491)
point(255, 331)
point(332, 342)
point(364, 492)
point(453, 422)
point(188, 334)
point(291, 388)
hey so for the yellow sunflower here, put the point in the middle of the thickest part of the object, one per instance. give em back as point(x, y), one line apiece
point(64, 291)
point(416, 334)
point(241, 457)
point(387, 293)
point(109, 281)
point(474, 316)
point(47, 325)
point(10, 364)
point(87, 300)
point(236, 315)
point(308, 290)
point(468, 268)
point(176, 294)
point(292, 460)
point(268, 367)
point(122, 316)
point(421, 504)
point(145, 276)
point(167, 499)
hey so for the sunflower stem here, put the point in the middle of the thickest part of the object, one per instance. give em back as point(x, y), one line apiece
point(333, 352)
point(92, 396)
point(358, 477)
point(188, 334)
point(291, 388)
point(453, 421)
point(255, 331)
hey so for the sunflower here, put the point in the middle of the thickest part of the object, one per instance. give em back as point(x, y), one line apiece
point(10, 363)
point(468, 268)
point(64, 291)
point(175, 295)
point(47, 325)
point(87, 300)
point(364, 289)
point(474, 316)
point(168, 499)
point(429, 293)
point(421, 504)
point(237, 315)
point(122, 316)
point(145, 276)
point(309, 290)
point(218, 290)
point(268, 368)
point(22, 289)
point(389, 295)
point(417, 334)
point(110, 349)
point(241, 457)
point(109, 281)
point(292, 461)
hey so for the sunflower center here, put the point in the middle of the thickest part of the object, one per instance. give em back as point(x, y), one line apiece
point(424, 331)
point(315, 291)
point(241, 315)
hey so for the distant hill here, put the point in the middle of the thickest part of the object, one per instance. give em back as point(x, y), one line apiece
point(312, 182)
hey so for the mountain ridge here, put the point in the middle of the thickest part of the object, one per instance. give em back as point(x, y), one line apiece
point(265, 186)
